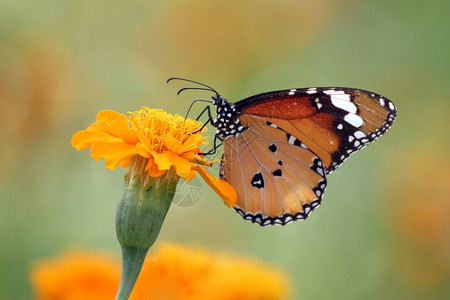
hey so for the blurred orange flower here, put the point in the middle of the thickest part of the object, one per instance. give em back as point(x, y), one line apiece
point(418, 214)
point(153, 144)
point(173, 272)
point(76, 275)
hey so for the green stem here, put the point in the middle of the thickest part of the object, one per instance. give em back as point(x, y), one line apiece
point(132, 260)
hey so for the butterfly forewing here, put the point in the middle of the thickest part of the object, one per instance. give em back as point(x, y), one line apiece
point(332, 122)
point(276, 177)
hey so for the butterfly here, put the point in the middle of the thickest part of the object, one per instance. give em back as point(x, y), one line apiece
point(279, 146)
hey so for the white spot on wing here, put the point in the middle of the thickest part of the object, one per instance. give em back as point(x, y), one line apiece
point(354, 120)
point(382, 102)
point(292, 140)
point(391, 106)
point(359, 134)
point(320, 171)
point(343, 97)
point(333, 92)
point(345, 105)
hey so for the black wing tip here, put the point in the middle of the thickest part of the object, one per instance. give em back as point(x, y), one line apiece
point(347, 150)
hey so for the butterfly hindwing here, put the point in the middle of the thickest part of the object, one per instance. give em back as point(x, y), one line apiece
point(276, 177)
point(332, 122)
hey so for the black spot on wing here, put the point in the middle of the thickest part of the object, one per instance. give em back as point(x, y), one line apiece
point(258, 181)
point(277, 172)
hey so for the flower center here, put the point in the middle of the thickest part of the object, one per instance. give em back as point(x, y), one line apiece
point(160, 128)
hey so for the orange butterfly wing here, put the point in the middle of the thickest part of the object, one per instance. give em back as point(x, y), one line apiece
point(276, 177)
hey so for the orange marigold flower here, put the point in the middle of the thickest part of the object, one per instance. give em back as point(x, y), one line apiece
point(177, 272)
point(172, 272)
point(153, 144)
point(76, 275)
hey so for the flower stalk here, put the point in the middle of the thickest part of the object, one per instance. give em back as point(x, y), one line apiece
point(141, 210)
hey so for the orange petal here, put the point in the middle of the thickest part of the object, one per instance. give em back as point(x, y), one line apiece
point(113, 152)
point(190, 155)
point(107, 116)
point(167, 159)
point(142, 150)
point(125, 163)
point(121, 128)
point(153, 170)
point(161, 160)
point(222, 188)
point(182, 166)
point(172, 144)
point(85, 138)
point(192, 175)
point(144, 139)
point(192, 143)
point(109, 121)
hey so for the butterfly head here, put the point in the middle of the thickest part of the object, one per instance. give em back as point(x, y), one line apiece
point(219, 101)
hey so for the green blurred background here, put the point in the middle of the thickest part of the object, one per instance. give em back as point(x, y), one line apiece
point(383, 231)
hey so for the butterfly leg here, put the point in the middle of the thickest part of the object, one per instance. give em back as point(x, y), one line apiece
point(210, 119)
point(215, 146)
point(206, 109)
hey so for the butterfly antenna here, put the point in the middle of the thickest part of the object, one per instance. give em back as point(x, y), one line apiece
point(207, 87)
point(195, 88)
